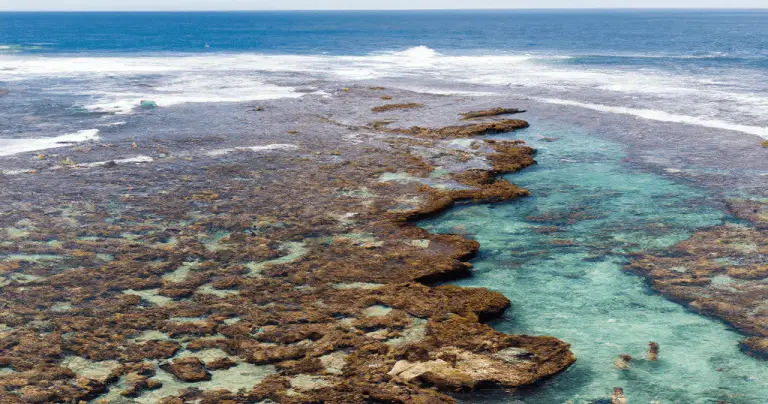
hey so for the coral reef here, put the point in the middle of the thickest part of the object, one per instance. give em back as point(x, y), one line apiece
point(490, 113)
point(390, 107)
point(295, 277)
point(187, 369)
point(720, 272)
point(467, 131)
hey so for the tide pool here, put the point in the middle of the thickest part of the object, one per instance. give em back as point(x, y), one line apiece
point(558, 255)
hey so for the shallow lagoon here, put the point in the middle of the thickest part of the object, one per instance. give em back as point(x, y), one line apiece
point(558, 255)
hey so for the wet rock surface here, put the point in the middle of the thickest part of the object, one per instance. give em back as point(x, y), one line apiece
point(259, 271)
point(187, 370)
point(720, 272)
point(491, 113)
point(390, 107)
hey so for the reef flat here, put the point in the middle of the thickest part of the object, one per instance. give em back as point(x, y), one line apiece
point(720, 271)
point(282, 266)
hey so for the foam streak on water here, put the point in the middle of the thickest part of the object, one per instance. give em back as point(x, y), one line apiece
point(665, 117)
point(730, 99)
point(698, 67)
point(9, 147)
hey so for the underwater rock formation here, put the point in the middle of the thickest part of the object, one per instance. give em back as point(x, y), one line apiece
point(720, 272)
point(294, 277)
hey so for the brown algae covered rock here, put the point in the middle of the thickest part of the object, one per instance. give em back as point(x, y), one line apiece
point(720, 272)
point(466, 131)
point(490, 113)
point(390, 107)
point(187, 369)
point(296, 276)
point(756, 346)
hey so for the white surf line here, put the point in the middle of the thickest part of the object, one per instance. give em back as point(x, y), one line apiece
point(137, 160)
point(9, 147)
point(18, 172)
point(437, 91)
point(662, 116)
point(277, 146)
point(141, 159)
point(113, 124)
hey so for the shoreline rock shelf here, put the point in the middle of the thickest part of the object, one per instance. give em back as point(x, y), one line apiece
point(390, 334)
point(719, 272)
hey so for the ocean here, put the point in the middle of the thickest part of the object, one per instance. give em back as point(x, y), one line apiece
point(645, 121)
point(705, 68)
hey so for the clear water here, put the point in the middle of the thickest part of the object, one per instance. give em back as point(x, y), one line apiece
point(576, 289)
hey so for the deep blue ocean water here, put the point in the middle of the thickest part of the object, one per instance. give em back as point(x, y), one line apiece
point(595, 37)
point(706, 68)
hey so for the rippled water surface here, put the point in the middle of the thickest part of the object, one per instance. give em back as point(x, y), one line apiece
point(558, 255)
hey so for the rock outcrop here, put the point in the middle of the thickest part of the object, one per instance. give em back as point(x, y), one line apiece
point(720, 272)
point(187, 370)
point(303, 267)
point(491, 113)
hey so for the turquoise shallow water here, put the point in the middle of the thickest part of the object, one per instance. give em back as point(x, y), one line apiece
point(569, 283)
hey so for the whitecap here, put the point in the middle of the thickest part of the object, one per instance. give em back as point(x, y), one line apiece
point(417, 52)
point(130, 160)
point(110, 82)
point(9, 147)
point(277, 146)
point(663, 116)
point(113, 124)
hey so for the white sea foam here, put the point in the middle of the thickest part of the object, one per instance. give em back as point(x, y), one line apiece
point(9, 147)
point(191, 88)
point(18, 171)
point(166, 80)
point(113, 124)
point(444, 91)
point(119, 84)
point(269, 147)
point(129, 160)
point(663, 116)
point(417, 52)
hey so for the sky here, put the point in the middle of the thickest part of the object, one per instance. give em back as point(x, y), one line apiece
point(155, 5)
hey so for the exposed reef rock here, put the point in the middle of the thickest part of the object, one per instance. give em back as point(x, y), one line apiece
point(466, 131)
point(721, 272)
point(187, 370)
point(300, 269)
point(390, 107)
point(755, 212)
point(491, 113)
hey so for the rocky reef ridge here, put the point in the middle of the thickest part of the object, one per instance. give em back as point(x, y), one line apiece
point(720, 272)
point(297, 276)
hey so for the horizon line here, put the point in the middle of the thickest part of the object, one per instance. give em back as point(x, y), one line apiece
point(387, 9)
